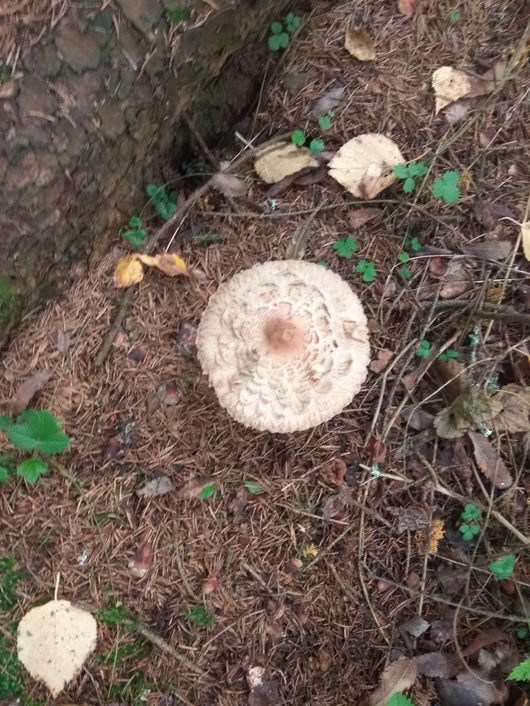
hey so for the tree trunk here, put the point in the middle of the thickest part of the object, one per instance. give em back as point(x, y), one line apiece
point(93, 111)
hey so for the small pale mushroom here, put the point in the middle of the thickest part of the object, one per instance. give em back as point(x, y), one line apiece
point(284, 345)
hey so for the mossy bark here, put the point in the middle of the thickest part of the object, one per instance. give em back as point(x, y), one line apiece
point(94, 111)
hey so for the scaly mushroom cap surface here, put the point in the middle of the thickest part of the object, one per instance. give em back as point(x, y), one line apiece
point(285, 345)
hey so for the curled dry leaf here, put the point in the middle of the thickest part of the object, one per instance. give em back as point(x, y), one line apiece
point(469, 409)
point(383, 359)
point(26, 391)
point(141, 561)
point(168, 263)
point(397, 676)
point(128, 271)
point(194, 486)
point(54, 641)
point(449, 85)
point(229, 185)
point(488, 213)
point(157, 486)
point(364, 165)
point(485, 638)
point(282, 159)
point(489, 462)
point(359, 44)
point(514, 414)
point(456, 281)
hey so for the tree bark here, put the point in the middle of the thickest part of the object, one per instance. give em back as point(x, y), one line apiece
point(93, 112)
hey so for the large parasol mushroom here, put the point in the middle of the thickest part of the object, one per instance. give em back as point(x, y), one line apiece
point(285, 345)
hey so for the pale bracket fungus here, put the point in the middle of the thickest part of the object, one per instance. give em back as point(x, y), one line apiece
point(284, 345)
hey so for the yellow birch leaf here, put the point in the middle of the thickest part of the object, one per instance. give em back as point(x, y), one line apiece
point(168, 263)
point(128, 271)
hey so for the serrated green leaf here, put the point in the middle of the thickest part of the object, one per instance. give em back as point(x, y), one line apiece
point(5, 422)
point(409, 185)
point(403, 257)
point(316, 146)
point(324, 122)
point(4, 475)
point(401, 171)
point(521, 672)
point(298, 138)
point(345, 247)
point(135, 222)
point(454, 16)
point(446, 187)
point(367, 270)
point(276, 28)
point(471, 512)
point(207, 492)
point(38, 430)
point(503, 568)
point(31, 470)
point(417, 169)
point(399, 700)
point(201, 616)
point(252, 487)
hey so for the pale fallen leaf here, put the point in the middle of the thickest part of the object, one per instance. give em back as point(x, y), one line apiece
point(525, 239)
point(168, 263)
point(364, 165)
point(27, 390)
point(457, 111)
point(359, 216)
point(141, 561)
point(128, 271)
point(450, 84)
point(359, 44)
point(282, 159)
point(383, 359)
point(157, 486)
point(415, 626)
point(456, 281)
point(514, 415)
point(54, 641)
point(229, 185)
point(438, 664)
point(397, 676)
point(328, 102)
point(489, 462)
point(407, 7)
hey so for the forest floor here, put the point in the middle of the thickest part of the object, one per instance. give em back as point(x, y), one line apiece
point(324, 555)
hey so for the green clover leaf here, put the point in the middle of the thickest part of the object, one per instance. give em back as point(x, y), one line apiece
point(324, 122)
point(503, 568)
point(409, 185)
point(345, 247)
point(471, 512)
point(207, 492)
point(253, 488)
point(4, 475)
point(367, 270)
point(417, 169)
point(316, 146)
point(298, 138)
point(401, 171)
point(403, 257)
point(449, 354)
point(413, 244)
point(521, 672)
point(424, 349)
point(276, 28)
point(446, 187)
point(399, 700)
point(405, 272)
point(469, 531)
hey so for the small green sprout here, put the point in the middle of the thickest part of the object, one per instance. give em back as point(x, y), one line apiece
point(405, 272)
point(413, 244)
point(454, 16)
point(292, 22)
point(503, 568)
point(469, 531)
point(446, 187)
point(345, 247)
point(135, 235)
point(424, 349)
point(324, 122)
point(207, 492)
point(278, 38)
point(471, 513)
point(448, 355)
point(521, 672)
point(298, 138)
point(403, 257)
point(399, 700)
point(201, 616)
point(408, 173)
point(38, 431)
point(367, 270)
point(178, 14)
point(253, 488)
point(165, 204)
point(316, 146)
point(4, 475)
point(31, 470)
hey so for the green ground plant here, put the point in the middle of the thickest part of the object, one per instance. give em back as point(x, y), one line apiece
point(367, 270)
point(36, 431)
point(446, 187)
point(424, 349)
point(201, 616)
point(178, 14)
point(280, 36)
point(408, 174)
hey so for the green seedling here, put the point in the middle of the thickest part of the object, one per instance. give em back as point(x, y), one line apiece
point(207, 492)
point(292, 22)
point(403, 257)
point(413, 244)
point(324, 122)
point(135, 234)
point(298, 138)
point(424, 349)
point(345, 247)
point(405, 272)
point(521, 672)
point(37, 431)
point(278, 39)
point(449, 354)
point(178, 14)
point(201, 616)
point(399, 700)
point(503, 568)
point(471, 513)
point(367, 270)
point(253, 488)
point(454, 16)
point(316, 146)
point(469, 531)
point(446, 187)
point(523, 633)
point(408, 173)
point(165, 204)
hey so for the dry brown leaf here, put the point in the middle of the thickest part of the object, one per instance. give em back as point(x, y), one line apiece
point(456, 281)
point(359, 216)
point(128, 271)
point(194, 486)
point(485, 638)
point(336, 506)
point(438, 664)
point(27, 390)
point(490, 249)
point(229, 185)
point(397, 676)
point(449, 85)
point(468, 410)
point(383, 359)
point(54, 641)
point(488, 213)
point(415, 626)
point(525, 239)
point(141, 561)
point(157, 486)
point(364, 165)
point(282, 159)
point(489, 462)
point(514, 415)
point(407, 7)
point(169, 263)
point(359, 44)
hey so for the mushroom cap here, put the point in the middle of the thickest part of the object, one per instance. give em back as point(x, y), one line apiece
point(285, 345)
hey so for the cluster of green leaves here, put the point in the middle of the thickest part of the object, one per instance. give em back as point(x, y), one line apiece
point(504, 567)
point(471, 516)
point(367, 270)
point(209, 490)
point(454, 15)
point(345, 248)
point(135, 234)
point(117, 614)
point(445, 187)
point(37, 431)
point(280, 36)
point(178, 14)
point(299, 139)
point(448, 355)
point(404, 271)
point(201, 616)
point(164, 202)
point(521, 672)
point(424, 349)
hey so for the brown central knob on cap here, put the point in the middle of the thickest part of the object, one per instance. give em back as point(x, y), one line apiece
point(285, 337)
